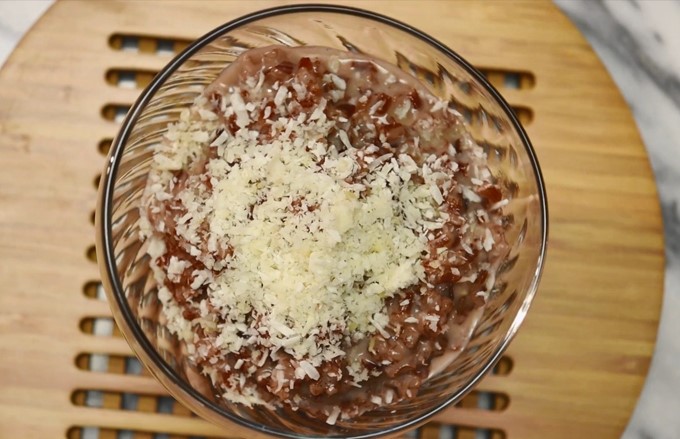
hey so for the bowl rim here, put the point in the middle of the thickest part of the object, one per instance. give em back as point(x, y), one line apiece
point(186, 392)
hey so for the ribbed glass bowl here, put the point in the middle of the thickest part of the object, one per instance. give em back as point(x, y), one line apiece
point(132, 291)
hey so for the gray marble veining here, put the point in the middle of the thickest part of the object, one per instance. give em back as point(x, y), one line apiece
point(639, 43)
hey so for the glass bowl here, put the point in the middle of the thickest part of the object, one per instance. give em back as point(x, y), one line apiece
point(124, 264)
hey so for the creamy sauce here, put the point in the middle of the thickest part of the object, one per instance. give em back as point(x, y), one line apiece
point(383, 112)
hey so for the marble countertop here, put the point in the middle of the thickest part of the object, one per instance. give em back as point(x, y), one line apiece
point(639, 43)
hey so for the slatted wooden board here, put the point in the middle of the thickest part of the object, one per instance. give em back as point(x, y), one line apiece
point(579, 362)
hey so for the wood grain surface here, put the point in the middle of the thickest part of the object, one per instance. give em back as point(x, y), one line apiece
point(577, 365)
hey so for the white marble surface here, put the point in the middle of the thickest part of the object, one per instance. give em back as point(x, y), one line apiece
point(16, 17)
point(639, 42)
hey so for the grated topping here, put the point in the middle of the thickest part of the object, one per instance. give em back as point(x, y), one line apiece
point(311, 236)
point(314, 256)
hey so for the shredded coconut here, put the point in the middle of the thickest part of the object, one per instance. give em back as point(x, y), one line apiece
point(285, 241)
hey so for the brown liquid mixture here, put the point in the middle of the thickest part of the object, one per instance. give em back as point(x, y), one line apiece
point(376, 113)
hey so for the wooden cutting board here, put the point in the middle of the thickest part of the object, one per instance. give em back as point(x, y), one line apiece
point(579, 362)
